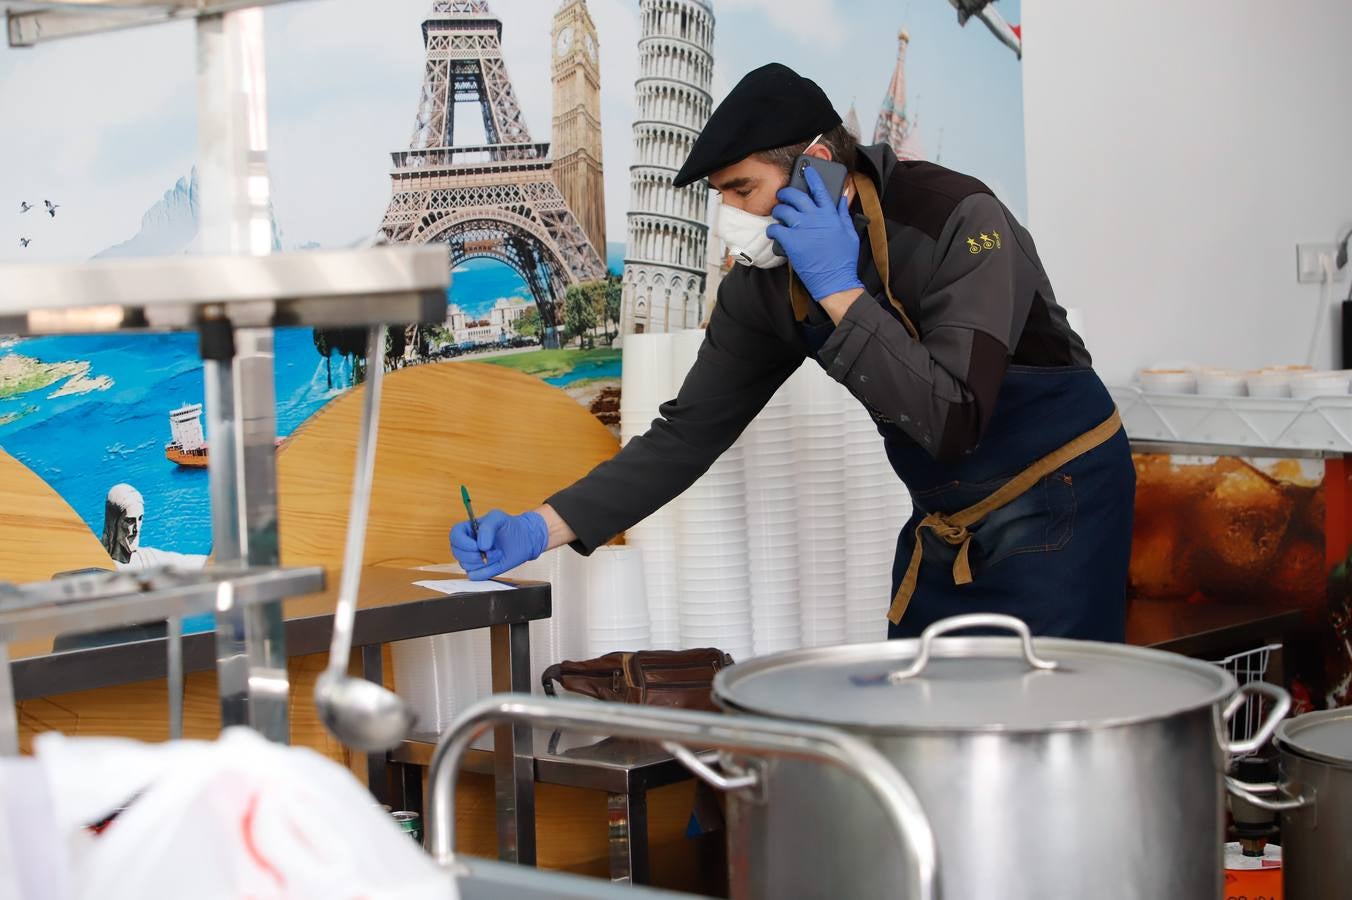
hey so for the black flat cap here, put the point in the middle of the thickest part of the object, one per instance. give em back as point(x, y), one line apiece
point(771, 107)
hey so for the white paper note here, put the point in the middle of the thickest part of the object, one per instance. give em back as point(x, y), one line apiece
point(464, 586)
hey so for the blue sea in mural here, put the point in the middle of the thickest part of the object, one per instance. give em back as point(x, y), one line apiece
point(83, 443)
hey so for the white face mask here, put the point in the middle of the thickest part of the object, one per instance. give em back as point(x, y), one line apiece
point(745, 236)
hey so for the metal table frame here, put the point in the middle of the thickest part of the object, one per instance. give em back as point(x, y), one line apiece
point(94, 602)
point(507, 614)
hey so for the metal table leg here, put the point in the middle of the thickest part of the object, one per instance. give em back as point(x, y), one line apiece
point(9, 713)
point(377, 765)
point(513, 749)
point(250, 642)
point(408, 780)
point(240, 395)
point(627, 827)
point(173, 640)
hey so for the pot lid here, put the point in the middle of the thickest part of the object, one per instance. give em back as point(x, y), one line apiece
point(973, 683)
point(1325, 735)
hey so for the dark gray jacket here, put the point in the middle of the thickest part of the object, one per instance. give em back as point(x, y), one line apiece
point(970, 281)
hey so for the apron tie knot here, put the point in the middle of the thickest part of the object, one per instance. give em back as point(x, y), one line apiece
point(953, 534)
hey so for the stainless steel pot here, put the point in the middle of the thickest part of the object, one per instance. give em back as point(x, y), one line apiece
point(1075, 769)
point(1315, 800)
point(903, 840)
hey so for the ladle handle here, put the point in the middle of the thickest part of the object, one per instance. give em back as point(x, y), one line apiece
point(363, 473)
point(971, 620)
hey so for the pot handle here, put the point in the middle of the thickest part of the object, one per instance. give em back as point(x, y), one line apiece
point(972, 620)
point(1281, 705)
point(1250, 794)
point(708, 774)
point(746, 735)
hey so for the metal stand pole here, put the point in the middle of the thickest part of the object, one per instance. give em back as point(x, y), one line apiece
point(173, 639)
point(236, 217)
point(9, 713)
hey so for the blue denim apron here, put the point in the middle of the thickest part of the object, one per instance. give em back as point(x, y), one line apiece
point(1057, 555)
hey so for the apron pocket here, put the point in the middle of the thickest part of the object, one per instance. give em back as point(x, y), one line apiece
point(1039, 521)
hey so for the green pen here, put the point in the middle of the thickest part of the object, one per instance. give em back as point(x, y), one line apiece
point(473, 521)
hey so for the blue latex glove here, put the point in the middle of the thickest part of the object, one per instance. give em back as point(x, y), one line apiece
point(507, 541)
point(818, 237)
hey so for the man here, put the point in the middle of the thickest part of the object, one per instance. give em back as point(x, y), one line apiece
point(123, 514)
point(922, 296)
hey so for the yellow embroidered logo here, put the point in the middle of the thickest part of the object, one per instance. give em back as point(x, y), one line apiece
point(984, 241)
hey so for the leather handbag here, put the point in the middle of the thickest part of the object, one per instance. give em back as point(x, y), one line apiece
point(675, 678)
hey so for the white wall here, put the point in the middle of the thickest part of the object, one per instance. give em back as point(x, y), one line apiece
point(1177, 152)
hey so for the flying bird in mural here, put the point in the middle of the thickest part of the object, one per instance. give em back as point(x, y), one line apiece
point(24, 242)
point(51, 208)
point(24, 206)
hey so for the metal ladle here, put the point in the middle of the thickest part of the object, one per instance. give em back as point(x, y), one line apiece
point(362, 714)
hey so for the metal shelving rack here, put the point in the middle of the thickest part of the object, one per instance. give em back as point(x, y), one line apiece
point(232, 296)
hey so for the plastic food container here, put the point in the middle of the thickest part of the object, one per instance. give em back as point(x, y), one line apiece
point(1268, 383)
point(1320, 384)
point(1221, 383)
point(1169, 381)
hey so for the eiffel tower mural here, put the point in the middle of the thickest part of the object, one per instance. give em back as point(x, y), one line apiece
point(498, 199)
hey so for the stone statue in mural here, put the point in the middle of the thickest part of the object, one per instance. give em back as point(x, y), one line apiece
point(123, 516)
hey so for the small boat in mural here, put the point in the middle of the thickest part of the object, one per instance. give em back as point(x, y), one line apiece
point(189, 445)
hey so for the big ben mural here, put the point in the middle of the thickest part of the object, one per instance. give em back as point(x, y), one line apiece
point(576, 147)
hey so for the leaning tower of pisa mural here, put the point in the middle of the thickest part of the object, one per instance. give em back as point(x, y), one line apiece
point(665, 257)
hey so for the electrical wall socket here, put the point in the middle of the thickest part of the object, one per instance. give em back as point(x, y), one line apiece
point(1308, 269)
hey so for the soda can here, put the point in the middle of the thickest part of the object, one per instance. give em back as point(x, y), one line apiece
point(410, 823)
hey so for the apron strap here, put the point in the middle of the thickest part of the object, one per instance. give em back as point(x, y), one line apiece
point(877, 239)
point(798, 296)
point(953, 529)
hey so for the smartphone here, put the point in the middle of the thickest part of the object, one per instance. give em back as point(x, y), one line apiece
point(833, 175)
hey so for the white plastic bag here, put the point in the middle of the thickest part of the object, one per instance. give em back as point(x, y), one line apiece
point(32, 856)
point(235, 818)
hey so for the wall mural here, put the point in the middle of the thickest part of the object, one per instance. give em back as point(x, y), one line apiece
point(578, 111)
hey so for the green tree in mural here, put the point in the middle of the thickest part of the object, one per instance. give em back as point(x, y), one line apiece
point(613, 292)
point(529, 323)
point(579, 313)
